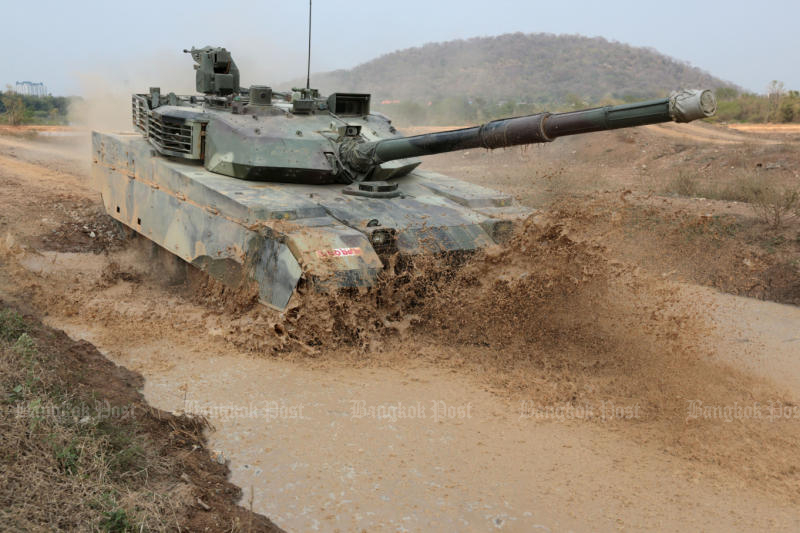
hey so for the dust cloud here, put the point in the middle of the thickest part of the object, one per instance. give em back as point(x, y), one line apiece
point(106, 90)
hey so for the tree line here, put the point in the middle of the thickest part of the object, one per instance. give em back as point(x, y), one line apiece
point(777, 105)
point(18, 109)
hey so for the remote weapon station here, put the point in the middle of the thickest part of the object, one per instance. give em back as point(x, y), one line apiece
point(261, 187)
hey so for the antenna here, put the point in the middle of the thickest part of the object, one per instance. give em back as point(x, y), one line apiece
point(308, 72)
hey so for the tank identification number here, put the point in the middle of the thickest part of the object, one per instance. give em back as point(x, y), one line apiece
point(338, 252)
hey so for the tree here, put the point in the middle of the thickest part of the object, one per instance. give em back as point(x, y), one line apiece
point(15, 107)
point(775, 94)
point(726, 93)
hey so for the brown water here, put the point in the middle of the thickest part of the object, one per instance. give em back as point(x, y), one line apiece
point(306, 444)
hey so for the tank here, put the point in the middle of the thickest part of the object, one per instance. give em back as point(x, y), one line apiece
point(266, 188)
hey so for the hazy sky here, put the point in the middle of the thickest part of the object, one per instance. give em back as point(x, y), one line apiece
point(71, 44)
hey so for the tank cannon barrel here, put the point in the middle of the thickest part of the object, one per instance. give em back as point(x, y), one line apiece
point(682, 106)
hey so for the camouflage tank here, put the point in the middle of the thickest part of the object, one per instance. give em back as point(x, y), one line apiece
point(256, 186)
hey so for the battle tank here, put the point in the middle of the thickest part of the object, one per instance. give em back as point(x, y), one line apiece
point(261, 187)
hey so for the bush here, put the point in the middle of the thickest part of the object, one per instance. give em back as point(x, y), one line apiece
point(15, 108)
point(779, 106)
point(18, 109)
point(775, 206)
point(683, 185)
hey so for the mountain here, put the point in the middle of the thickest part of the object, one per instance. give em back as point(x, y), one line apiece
point(537, 68)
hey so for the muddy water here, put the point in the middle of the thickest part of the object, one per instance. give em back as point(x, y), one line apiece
point(372, 448)
point(421, 449)
point(762, 337)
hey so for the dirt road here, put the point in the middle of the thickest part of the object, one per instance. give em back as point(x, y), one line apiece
point(402, 439)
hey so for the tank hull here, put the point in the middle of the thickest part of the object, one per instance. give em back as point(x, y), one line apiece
point(273, 234)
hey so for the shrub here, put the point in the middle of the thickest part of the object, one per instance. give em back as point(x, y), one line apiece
point(683, 185)
point(775, 206)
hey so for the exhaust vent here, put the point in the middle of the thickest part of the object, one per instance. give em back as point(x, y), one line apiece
point(170, 135)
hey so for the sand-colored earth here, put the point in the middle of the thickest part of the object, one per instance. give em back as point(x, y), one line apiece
point(766, 128)
point(604, 384)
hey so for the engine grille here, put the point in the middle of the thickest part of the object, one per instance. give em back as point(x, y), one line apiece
point(173, 136)
point(140, 112)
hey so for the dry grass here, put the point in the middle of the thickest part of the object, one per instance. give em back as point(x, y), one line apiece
point(69, 461)
point(774, 204)
point(738, 186)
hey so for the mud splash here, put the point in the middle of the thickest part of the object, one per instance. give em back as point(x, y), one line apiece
point(552, 318)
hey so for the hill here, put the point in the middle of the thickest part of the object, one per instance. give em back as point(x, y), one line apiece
point(539, 68)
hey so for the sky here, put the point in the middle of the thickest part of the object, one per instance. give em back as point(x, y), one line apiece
point(76, 46)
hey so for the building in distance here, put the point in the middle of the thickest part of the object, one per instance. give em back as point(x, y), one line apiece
point(29, 88)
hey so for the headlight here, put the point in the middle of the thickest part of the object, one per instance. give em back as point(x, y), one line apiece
point(382, 239)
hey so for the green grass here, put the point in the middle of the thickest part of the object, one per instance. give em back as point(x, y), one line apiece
point(11, 325)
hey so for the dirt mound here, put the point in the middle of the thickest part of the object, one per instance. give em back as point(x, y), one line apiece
point(79, 440)
point(681, 239)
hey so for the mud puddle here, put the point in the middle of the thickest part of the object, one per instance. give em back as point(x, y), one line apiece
point(378, 449)
point(421, 449)
point(408, 445)
point(762, 337)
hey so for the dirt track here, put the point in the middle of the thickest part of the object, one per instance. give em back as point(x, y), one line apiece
point(315, 455)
